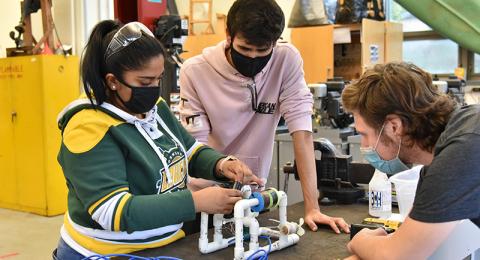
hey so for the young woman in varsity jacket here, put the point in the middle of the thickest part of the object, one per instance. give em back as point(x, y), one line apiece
point(126, 158)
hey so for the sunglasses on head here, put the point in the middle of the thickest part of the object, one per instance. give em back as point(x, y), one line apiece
point(129, 33)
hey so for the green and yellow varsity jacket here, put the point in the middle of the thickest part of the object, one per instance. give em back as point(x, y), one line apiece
point(121, 197)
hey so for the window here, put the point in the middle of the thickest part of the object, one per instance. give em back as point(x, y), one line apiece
point(410, 22)
point(476, 63)
point(421, 45)
point(429, 50)
point(437, 56)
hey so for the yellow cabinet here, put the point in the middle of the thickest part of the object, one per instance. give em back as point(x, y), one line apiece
point(33, 90)
point(325, 53)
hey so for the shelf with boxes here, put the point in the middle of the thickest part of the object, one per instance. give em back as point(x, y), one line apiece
point(347, 50)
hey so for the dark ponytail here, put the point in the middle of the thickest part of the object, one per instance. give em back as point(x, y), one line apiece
point(93, 67)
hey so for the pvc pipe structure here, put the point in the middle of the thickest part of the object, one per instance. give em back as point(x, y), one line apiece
point(218, 241)
point(239, 213)
point(245, 216)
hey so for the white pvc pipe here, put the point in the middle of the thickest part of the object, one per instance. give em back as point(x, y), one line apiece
point(247, 191)
point(213, 246)
point(254, 227)
point(269, 232)
point(219, 242)
point(290, 240)
point(278, 245)
point(282, 210)
point(239, 213)
point(204, 227)
point(243, 216)
point(217, 224)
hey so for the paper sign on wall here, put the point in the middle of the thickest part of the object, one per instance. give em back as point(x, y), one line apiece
point(341, 35)
point(374, 56)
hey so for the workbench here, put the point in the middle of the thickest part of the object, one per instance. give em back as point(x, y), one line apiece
point(322, 244)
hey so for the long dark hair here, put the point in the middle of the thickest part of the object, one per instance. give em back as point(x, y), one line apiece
point(94, 67)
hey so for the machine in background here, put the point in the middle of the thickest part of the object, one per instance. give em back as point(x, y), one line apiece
point(337, 175)
point(330, 119)
point(172, 31)
point(453, 87)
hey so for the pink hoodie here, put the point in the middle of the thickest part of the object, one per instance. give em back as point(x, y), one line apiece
point(216, 104)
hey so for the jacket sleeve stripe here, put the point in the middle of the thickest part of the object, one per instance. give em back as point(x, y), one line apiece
point(194, 149)
point(103, 215)
point(118, 212)
point(94, 206)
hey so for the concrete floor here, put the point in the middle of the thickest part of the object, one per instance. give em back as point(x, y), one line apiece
point(28, 236)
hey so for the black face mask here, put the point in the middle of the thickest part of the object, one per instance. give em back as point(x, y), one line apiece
point(249, 67)
point(142, 100)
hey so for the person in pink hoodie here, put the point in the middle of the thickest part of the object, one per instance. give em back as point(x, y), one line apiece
point(234, 93)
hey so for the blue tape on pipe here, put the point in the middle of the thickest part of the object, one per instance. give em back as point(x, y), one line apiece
point(261, 203)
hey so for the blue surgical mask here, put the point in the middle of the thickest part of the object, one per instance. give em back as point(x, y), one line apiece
point(389, 167)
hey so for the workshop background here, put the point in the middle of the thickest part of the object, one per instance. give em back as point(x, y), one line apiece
point(39, 75)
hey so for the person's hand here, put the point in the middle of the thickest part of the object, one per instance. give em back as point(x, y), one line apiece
point(314, 217)
point(356, 240)
point(214, 200)
point(236, 170)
